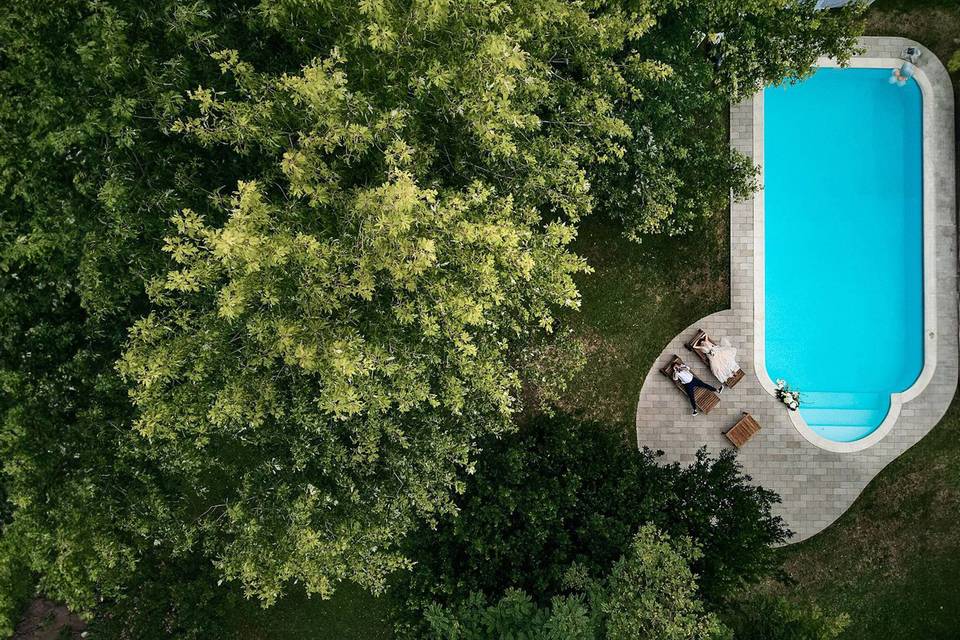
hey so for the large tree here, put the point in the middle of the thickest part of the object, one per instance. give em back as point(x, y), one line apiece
point(339, 331)
point(268, 268)
point(336, 222)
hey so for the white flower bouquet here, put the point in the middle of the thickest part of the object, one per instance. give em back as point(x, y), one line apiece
point(787, 396)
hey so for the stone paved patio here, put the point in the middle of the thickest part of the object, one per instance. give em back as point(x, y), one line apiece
point(816, 485)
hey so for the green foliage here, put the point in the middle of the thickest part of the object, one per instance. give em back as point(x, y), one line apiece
point(312, 358)
point(650, 594)
point(565, 491)
point(88, 176)
point(15, 589)
point(169, 598)
point(771, 618)
point(953, 64)
point(333, 344)
point(515, 615)
point(678, 165)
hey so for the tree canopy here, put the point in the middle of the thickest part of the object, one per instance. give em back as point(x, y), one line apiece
point(564, 491)
point(649, 594)
point(268, 267)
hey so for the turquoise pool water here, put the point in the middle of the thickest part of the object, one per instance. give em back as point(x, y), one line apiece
point(843, 182)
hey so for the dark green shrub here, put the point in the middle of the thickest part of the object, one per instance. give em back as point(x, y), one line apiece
point(564, 490)
point(769, 618)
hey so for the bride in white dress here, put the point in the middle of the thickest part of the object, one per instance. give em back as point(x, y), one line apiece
point(722, 357)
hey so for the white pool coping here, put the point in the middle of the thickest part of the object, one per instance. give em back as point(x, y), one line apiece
point(932, 131)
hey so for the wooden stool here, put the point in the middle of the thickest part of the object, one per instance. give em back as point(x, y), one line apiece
point(745, 428)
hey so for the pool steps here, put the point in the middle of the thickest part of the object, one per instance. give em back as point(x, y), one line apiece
point(844, 417)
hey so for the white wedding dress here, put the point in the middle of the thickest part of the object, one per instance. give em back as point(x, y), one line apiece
point(722, 358)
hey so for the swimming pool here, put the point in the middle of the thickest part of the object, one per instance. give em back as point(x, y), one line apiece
point(843, 244)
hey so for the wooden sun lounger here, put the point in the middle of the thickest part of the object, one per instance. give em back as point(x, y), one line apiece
point(745, 429)
point(706, 399)
point(700, 335)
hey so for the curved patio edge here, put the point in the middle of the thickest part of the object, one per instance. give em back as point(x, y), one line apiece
point(816, 481)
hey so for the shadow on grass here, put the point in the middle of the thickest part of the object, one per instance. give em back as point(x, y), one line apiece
point(351, 614)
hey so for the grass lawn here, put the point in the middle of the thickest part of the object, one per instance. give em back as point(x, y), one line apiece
point(638, 298)
point(352, 614)
point(893, 560)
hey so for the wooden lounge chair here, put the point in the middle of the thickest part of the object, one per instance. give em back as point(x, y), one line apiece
point(745, 429)
point(706, 399)
point(700, 335)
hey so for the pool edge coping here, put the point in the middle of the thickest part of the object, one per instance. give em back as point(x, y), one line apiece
point(932, 131)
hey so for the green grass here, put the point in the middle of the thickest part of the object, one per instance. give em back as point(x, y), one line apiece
point(351, 614)
point(638, 298)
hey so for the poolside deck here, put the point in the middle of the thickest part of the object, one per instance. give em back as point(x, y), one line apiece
point(816, 485)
